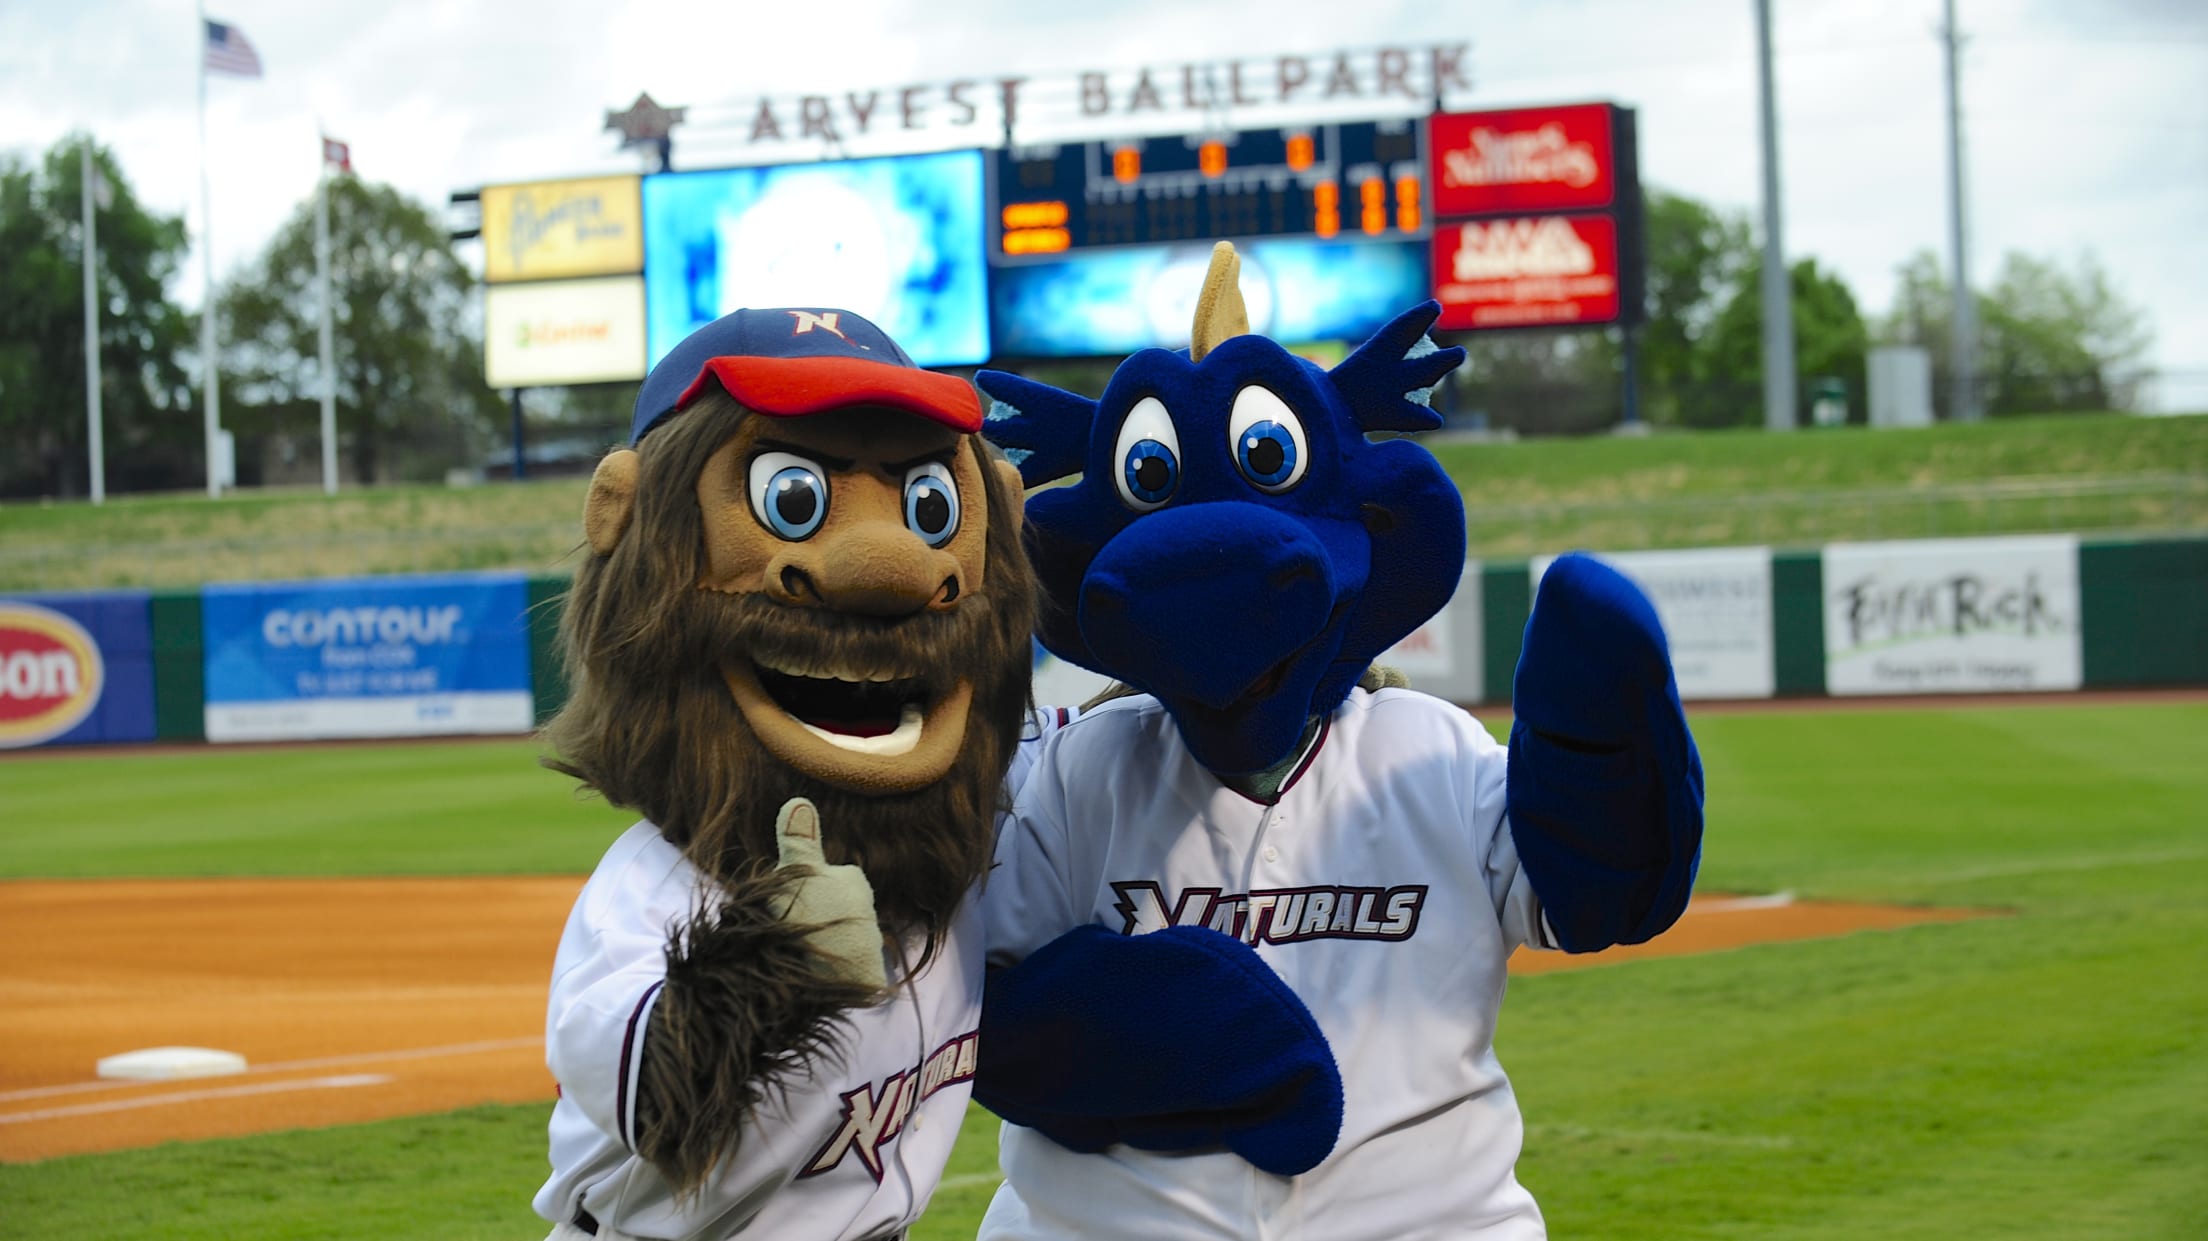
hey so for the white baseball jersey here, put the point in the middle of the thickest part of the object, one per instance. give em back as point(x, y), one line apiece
point(851, 1146)
point(1383, 886)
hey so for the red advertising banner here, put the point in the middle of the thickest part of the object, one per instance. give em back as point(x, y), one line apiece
point(1526, 271)
point(1526, 159)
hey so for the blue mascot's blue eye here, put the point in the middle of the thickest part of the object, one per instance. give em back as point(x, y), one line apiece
point(931, 503)
point(1152, 472)
point(1267, 440)
point(789, 494)
point(1266, 453)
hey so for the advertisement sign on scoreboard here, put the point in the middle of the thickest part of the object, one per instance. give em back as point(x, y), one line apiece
point(550, 229)
point(1527, 271)
point(1537, 217)
point(564, 332)
point(1525, 159)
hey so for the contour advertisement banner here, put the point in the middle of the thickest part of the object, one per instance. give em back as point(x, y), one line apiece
point(588, 227)
point(75, 669)
point(367, 657)
point(564, 332)
point(1953, 615)
point(1715, 604)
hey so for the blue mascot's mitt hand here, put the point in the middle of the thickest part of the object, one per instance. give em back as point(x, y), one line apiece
point(1175, 1040)
point(1605, 784)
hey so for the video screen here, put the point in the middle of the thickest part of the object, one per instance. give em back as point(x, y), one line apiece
point(899, 240)
point(1297, 289)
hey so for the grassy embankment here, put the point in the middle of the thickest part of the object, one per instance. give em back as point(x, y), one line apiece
point(1605, 493)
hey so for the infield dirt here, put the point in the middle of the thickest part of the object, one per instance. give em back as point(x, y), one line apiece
point(360, 999)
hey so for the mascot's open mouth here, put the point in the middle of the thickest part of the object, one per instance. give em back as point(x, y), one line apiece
point(866, 712)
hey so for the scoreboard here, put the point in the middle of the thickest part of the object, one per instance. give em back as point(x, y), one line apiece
point(1356, 179)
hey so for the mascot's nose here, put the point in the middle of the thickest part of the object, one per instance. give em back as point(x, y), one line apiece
point(1206, 599)
point(869, 571)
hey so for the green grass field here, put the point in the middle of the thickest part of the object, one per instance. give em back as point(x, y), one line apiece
point(2040, 1075)
point(1701, 489)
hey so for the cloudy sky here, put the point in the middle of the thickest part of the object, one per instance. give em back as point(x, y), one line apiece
point(2086, 120)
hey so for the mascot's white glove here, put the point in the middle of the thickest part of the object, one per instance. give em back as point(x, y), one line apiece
point(836, 900)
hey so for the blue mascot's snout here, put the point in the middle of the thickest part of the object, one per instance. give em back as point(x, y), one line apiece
point(1155, 601)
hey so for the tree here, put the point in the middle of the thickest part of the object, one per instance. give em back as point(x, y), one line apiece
point(1699, 261)
point(2049, 339)
point(152, 439)
point(1697, 257)
point(1830, 338)
point(411, 400)
point(1541, 382)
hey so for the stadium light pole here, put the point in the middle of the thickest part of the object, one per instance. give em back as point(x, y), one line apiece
point(93, 446)
point(1963, 341)
point(328, 347)
point(1779, 384)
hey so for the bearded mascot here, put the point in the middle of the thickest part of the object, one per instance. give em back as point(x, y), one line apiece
point(799, 647)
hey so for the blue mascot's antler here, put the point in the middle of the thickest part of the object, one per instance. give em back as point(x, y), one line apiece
point(1389, 382)
point(1042, 430)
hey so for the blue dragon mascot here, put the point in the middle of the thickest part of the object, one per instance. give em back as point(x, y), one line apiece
point(1244, 536)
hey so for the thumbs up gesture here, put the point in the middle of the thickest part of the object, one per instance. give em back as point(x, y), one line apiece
point(836, 901)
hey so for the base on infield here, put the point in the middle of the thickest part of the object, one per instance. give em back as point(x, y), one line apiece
point(168, 1064)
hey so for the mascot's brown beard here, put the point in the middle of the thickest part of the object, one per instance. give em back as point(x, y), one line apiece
point(920, 850)
point(650, 724)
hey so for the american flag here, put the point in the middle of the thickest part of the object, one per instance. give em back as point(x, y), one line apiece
point(228, 52)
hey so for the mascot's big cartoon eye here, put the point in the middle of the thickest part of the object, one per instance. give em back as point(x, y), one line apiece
point(789, 495)
point(1267, 440)
point(931, 503)
point(1149, 456)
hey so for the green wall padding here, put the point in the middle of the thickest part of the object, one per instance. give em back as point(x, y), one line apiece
point(179, 667)
point(1798, 622)
point(548, 683)
point(1506, 600)
point(2145, 612)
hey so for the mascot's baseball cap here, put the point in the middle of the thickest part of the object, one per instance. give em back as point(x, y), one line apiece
point(788, 362)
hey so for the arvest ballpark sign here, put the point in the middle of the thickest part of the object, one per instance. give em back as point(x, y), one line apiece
point(1412, 75)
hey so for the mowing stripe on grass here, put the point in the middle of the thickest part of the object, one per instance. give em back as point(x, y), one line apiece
point(2057, 866)
point(340, 1082)
point(1700, 1136)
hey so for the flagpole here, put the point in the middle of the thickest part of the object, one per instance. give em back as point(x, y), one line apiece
point(94, 449)
point(329, 349)
point(212, 382)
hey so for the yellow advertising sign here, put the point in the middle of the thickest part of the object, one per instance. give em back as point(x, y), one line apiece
point(589, 227)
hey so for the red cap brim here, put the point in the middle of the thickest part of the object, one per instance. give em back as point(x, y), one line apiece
point(795, 387)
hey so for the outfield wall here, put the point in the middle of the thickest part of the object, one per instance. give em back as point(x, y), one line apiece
point(476, 653)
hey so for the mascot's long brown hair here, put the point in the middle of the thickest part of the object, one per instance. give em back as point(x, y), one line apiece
point(720, 667)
